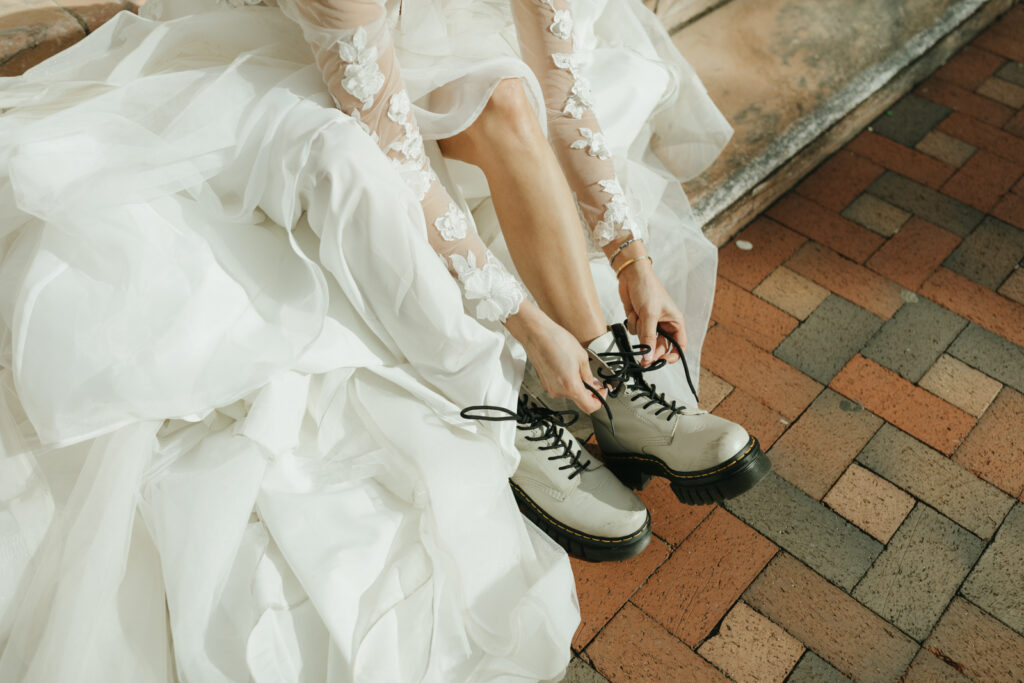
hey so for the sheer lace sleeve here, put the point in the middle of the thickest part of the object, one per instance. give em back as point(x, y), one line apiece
point(546, 43)
point(351, 42)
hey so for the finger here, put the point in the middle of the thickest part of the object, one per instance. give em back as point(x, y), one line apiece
point(585, 400)
point(662, 348)
point(589, 379)
point(631, 319)
point(678, 331)
point(648, 325)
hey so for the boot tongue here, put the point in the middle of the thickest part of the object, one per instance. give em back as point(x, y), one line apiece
point(604, 343)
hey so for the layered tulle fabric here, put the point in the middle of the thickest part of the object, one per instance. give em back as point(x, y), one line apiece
point(231, 364)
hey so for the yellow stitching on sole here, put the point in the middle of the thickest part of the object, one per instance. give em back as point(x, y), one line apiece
point(547, 517)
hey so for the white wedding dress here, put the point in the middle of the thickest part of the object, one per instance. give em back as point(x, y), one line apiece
point(232, 364)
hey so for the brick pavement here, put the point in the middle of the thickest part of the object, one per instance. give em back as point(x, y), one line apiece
point(872, 340)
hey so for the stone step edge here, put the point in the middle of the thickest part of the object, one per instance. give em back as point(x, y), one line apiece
point(727, 209)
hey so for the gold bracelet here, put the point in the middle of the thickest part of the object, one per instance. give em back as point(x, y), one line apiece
point(630, 262)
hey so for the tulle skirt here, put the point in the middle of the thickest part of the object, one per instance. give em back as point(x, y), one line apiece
point(231, 367)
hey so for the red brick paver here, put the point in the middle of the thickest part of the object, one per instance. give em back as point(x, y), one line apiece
point(758, 373)
point(760, 421)
point(845, 633)
point(983, 180)
point(770, 245)
point(983, 135)
point(863, 287)
point(752, 318)
point(913, 253)
point(976, 303)
point(978, 645)
point(839, 181)
point(970, 67)
point(909, 162)
point(634, 648)
point(965, 101)
point(939, 424)
point(826, 227)
point(691, 592)
point(995, 449)
point(604, 588)
point(816, 450)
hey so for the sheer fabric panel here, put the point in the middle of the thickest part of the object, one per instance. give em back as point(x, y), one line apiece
point(352, 45)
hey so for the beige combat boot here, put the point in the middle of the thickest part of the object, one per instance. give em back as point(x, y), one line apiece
point(572, 497)
point(643, 433)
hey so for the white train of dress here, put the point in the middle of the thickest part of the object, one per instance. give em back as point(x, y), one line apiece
point(231, 366)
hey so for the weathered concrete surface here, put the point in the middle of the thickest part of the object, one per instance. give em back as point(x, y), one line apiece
point(784, 71)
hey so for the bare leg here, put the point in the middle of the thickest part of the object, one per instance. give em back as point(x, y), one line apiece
point(535, 208)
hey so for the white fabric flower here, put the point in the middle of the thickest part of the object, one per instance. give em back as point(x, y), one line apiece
point(593, 142)
point(453, 225)
point(410, 144)
point(562, 26)
point(569, 61)
point(617, 214)
point(363, 78)
point(496, 291)
point(579, 99)
point(399, 106)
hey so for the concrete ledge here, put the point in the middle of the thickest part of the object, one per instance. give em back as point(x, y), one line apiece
point(788, 72)
point(32, 30)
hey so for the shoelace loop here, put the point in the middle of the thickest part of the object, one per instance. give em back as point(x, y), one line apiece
point(530, 416)
point(627, 372)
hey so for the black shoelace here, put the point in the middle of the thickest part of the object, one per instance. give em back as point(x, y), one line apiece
point(530, 416)
point(627, 372)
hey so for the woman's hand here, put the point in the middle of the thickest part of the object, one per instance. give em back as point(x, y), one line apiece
point(648, 307)
point(562, 364)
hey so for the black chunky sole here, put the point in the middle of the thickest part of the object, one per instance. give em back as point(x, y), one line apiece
point(579, 544)
point(734, 476)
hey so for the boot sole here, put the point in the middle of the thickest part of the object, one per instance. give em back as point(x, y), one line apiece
point(735, 476)
point(582, 545)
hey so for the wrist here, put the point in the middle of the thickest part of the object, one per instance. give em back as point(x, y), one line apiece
point(523, 324)
point(616, 256)
point(637, 267)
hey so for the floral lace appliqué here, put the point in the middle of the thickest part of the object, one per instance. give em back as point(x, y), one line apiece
point(413, 160)
point(617, 215)
point(399, 106)
point(363, 78)
point(579, 99)
point(593, 142)
point(453, 225)
point(562, 25)
point(497, 292)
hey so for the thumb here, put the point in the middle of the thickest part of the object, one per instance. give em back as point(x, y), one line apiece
point(648, 329)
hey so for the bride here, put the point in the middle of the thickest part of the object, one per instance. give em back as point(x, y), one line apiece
point(266, 302)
